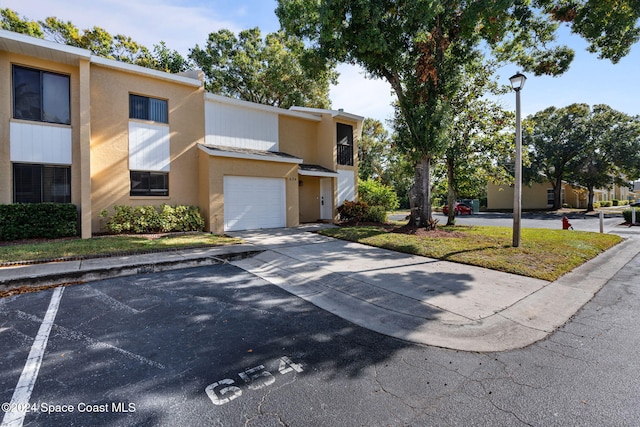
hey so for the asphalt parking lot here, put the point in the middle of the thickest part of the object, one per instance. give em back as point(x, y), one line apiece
point(216, 346)
point(199, 346)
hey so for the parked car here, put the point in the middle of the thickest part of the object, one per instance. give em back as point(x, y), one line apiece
point(635, 204)
point(459, 209)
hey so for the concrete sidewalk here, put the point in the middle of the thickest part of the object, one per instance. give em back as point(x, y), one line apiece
point(413, 298)
point(425, 300)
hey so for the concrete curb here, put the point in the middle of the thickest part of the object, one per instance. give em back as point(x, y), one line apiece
point(58, 273)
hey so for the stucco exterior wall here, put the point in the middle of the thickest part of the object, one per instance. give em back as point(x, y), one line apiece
point(298, 138)
point(219, 167)
point(500, 197)
point(110, 89)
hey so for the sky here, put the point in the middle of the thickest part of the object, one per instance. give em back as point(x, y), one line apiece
point(182, 24)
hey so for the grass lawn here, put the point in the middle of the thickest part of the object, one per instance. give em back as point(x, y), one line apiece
point(107, 245)
point(543, 254)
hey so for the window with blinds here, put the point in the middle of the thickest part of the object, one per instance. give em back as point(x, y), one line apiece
point(41, 183)
point(145, 183)
point(146, 108)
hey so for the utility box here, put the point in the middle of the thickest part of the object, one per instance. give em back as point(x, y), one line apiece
point(474, 203)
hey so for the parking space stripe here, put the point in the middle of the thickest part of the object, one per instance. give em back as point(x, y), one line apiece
point(22, 393)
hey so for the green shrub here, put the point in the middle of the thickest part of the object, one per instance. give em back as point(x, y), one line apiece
point(38, 220)
point(361, 212)
point(376, 214)
point(151, 219)
point(615, 202)
point(606, 203)
point(596, 205)
point(375, 193)
point(627, 215)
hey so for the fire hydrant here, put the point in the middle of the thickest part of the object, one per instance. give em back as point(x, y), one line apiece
point(566, 225)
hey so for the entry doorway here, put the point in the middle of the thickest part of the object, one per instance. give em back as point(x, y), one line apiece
point(326, 198)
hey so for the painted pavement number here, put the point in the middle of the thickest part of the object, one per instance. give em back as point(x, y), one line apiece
point(226, 390)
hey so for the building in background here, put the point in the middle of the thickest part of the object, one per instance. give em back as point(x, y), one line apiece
point(81, 129)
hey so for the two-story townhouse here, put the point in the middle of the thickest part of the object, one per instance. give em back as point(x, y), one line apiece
point(98, 133)
point(265, 167)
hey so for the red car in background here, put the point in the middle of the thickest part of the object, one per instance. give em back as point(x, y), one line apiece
point(459, 209)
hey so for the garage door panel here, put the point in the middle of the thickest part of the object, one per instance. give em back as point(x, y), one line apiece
point(252, 203)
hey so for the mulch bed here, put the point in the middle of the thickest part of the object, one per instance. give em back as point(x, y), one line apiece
point(408, 229)
point(423, 232)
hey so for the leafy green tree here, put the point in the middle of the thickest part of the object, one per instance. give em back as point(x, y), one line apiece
point(373, 149)
point(119, 47)
point(98, 41)
point(555, 138)
point(380, 158)
point(479, 135)
point(611, 152)
point(10, 20)
point(421, 46)
point(267, 71)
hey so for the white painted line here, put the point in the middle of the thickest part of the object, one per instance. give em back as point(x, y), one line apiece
point(22, 393)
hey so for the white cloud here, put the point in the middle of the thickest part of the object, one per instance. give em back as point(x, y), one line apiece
point(146, 21)
point(359, 95)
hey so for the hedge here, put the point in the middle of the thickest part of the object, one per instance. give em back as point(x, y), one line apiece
point(627, 215)
point(361, 212)
point(38, 220)
point(152, 219)
point(375, 193)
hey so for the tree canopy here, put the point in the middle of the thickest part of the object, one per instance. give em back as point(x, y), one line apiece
point(479, 138)
point(97, 40)
point(266, 71)
point(591, 147)
point(420, 47)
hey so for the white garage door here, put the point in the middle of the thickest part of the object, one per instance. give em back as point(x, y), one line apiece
point(251, 203)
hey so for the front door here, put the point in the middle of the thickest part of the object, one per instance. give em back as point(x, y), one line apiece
point(326, 198)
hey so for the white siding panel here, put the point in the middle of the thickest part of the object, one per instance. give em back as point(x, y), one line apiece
point(251, 203)
point(233, 126)
point(38, 143)
point(346, 186)
point(149, 147)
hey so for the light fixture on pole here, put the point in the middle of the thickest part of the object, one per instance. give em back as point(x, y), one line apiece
point(517, 82)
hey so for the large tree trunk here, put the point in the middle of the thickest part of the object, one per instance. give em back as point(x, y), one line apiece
point(557, 194)
point(590, 199)
point(420, 196)
point(451, 193)
point(415, 196)
point(425, 211)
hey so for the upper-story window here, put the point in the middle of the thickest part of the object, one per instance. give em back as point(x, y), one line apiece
point(40, 96)
point(146, 108)
point(345, 144)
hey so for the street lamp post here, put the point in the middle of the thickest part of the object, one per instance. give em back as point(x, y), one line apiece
point(517, 82)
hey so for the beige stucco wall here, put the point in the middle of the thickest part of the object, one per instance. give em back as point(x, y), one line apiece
point(110, 184)
point(219, 167)
point(533, 197)
point(298, 137)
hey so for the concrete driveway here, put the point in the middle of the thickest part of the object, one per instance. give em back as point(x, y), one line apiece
point(425, 300)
